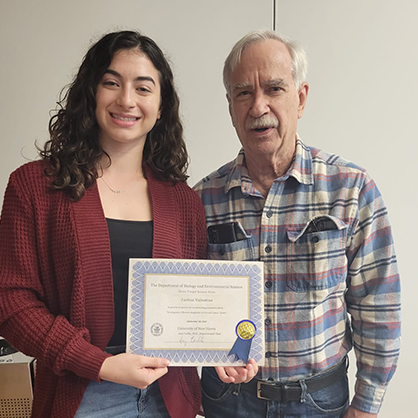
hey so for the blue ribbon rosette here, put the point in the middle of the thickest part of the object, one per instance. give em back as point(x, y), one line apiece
point(245, 331)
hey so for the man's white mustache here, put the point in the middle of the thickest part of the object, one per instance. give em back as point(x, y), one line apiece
point(262, 122)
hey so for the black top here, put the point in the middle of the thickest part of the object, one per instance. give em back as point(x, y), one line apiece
point(128, 239)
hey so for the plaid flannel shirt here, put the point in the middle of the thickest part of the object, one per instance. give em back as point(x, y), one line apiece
point(331, 278)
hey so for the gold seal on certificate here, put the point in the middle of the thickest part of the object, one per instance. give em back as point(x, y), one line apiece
point(191, 311)
point(246, 331)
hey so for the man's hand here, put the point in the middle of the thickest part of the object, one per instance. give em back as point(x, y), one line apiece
point(355, 413)
point(133, 370)
point(239, 374)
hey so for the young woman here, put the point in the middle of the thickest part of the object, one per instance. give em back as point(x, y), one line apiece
point(110, 186)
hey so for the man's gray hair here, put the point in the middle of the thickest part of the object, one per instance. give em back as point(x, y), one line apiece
point(296, 50)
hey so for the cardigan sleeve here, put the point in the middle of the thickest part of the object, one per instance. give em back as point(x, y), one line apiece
point(192, 223)
point(201, 252)
point(25, 319)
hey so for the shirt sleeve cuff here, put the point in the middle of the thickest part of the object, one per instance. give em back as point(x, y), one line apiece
point(368, 398)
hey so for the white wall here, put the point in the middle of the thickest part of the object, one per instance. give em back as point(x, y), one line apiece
point(362, 105)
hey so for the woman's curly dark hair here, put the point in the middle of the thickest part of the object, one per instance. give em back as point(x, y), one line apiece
point(74, 151)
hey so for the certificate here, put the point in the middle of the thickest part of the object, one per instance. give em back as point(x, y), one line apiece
point(188, 311)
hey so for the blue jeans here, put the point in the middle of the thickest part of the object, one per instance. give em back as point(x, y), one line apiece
point(111, 400)
point(221, 400)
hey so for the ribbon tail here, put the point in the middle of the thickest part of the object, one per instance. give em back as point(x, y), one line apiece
point(241, 349)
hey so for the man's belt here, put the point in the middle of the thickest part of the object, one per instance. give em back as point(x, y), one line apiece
point(282, 392)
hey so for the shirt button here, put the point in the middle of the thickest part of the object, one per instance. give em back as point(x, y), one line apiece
point(268, 354)
point(268, 284)
point(267, 321)
point(315, 239)
point(222, 252)
point(269, 214)
point(267, 249)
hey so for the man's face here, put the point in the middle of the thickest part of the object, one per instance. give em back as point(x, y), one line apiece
point(264, 103)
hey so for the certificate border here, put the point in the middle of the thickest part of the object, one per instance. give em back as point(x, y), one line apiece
point(140, 267)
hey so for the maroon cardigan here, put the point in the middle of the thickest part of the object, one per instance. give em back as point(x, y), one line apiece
point(56, 293)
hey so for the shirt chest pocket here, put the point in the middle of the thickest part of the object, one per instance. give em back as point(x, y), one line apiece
point(316, 257)
point(243, 250)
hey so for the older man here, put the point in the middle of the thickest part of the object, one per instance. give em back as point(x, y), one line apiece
point(320, 226)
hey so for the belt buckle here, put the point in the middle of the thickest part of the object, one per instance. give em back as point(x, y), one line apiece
point(259, 383)
point(284, 389)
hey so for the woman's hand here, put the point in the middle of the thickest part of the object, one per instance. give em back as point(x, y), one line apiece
point(133, 370)
point(239, 374)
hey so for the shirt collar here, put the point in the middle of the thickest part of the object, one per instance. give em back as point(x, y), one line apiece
point(300, 170)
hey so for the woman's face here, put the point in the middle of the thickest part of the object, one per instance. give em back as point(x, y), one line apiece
point(128, 100)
